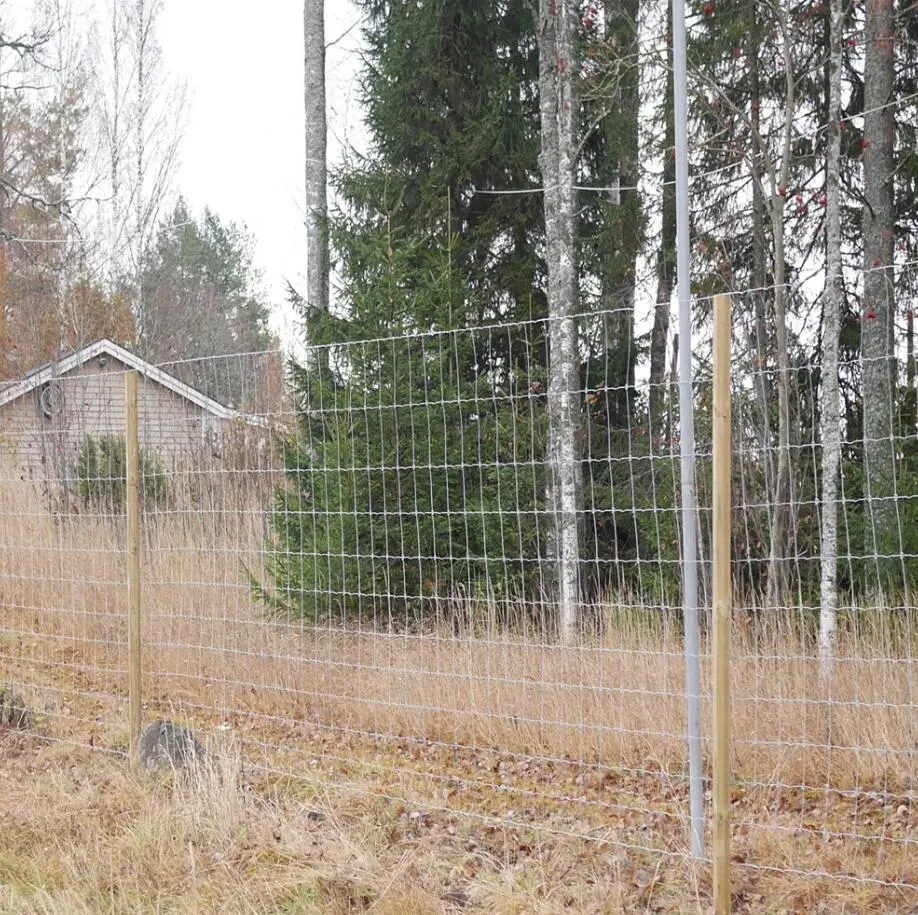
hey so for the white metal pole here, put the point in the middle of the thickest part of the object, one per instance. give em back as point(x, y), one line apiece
point(723, 594)
point(687, 438)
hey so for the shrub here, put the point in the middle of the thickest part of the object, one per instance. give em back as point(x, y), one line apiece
point(102, 475)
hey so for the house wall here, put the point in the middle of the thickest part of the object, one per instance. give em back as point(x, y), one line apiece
point(44, 448)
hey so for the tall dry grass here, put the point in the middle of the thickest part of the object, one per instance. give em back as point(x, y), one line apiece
point(615, 701)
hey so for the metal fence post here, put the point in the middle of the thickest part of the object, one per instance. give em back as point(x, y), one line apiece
point(723, 595)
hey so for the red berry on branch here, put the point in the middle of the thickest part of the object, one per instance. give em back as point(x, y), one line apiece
point(871, 315)
point(709, 9)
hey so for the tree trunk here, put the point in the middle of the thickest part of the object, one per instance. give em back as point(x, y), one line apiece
point(782, 506)
point(673, 404)
point(115, 140)
point(317, 260)
point(666, 267)
point(877, 318)
point(558, 115)
point(761, 343)
point(910, 352)
point(142, 37)
point(830, 404)
point(783, 491)
point(618, 269)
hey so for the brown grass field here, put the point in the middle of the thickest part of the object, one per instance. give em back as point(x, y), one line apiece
point(379, 772)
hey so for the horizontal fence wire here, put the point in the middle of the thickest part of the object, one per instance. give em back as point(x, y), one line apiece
point(349, 563)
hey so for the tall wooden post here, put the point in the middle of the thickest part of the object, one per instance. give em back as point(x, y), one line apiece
point(723, 466)
point(132, 440)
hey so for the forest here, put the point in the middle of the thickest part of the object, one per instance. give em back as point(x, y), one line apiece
point(489, 404)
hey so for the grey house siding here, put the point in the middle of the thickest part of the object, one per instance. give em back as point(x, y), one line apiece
point(89, 400)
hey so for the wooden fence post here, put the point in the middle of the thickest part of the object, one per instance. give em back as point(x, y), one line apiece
point(132, 441)
point(723, 596)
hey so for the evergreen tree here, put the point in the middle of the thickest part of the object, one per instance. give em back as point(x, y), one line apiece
point(203, 300)
point(423, 440)
point(419, 464)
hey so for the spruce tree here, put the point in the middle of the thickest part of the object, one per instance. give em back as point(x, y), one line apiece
point(416, 480)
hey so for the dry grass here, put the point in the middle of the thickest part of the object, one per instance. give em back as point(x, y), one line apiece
point(585, 745)
point(86, 833)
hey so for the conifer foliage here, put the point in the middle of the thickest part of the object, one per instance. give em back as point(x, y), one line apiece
point(478, 310)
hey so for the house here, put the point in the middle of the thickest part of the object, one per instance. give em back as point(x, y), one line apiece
point(45, 416)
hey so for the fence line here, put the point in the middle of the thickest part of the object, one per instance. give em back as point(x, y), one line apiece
point(358, 577)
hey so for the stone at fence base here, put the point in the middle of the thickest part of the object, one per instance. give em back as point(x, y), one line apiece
point(14, 715)
point(167, 745)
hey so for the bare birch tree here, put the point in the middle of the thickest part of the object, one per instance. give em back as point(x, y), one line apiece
point(832, 307)
point(111, 87)
point(67, 87)
point(154, 152)
point(317, 261)
point(141, 118)
point(558, 115)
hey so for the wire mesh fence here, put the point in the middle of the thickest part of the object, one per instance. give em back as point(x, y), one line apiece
point(351, 565)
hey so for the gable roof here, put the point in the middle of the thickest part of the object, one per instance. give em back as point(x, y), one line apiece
point(45, 373)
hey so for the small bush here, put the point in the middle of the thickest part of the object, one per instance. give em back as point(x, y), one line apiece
point(102, 475)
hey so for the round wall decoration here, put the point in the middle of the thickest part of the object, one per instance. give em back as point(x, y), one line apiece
point(51, 399)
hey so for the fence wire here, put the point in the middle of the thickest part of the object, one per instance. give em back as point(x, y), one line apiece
point(350, 566)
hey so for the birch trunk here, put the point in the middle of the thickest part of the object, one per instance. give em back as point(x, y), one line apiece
point(113, 105)
point(877, 319)
point(830, 405)
point(558, 115)
point(317, 260)
point(142, 230)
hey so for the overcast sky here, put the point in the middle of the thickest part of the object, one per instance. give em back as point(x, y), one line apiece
point(242, 154)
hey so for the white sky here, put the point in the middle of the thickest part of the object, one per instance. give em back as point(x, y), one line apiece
point(242, 153)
